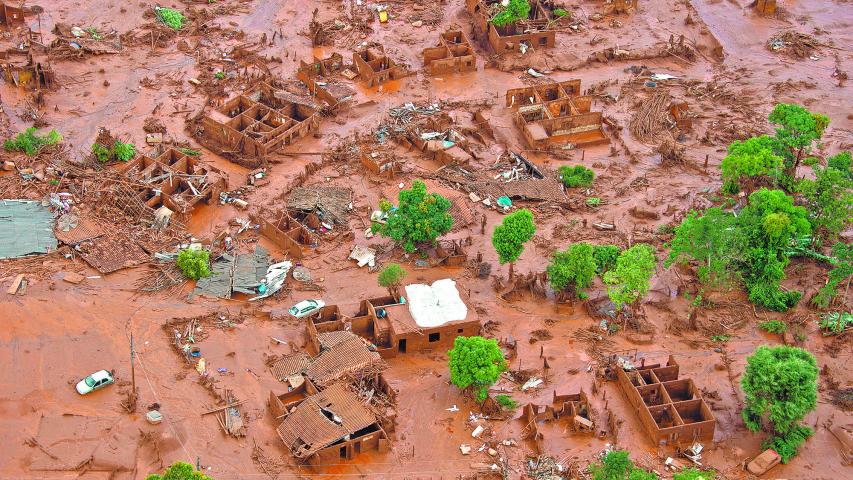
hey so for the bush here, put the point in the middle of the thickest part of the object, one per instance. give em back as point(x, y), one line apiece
point(605, 257)
point(475, 362)
point(179, 471)
point(774, 326)
point(630, 280)
point(506, 401)
point(835, 323)
point(171, 18)
point(750, 161)
point(30, 143)
point(780, 387)
point(391, 276)
point(194, 263)
point(575, 268)
point(101, 153)
point(576, 176)
point(124, 151)
point(694, 474)
point(617, 465)
point(560, 12)
point(510, 236)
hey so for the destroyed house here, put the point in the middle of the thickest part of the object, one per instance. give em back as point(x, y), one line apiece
point(671, 409)
point(12, 13)
point(329, 426)
point(534, 32)
point(556, 112)
point(31, 69)
point(454, 54)
point(430, 319)
point(340, 355)
point(374, 67)
point(575, 407)
point(175, 181)
point(286, 233)
point(259, 121)
point(317, 77)
point(436, 137)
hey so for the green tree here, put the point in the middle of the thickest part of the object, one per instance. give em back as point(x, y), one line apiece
point(510, 236)
point(694, 474)
point(714, 241)
point(573, 268)
point(796, 129)
point(194, 263)
point(751, 163)
point(475, 362)
point(391, 277)
point(630, 280)
point(842, 272)
point(516, 10)
point(576, 176)
point(420, 217)
point(771, 223)
point(179, 471)
point(780, 387)
point(830, 201)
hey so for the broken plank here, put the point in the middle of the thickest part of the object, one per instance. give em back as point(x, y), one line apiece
point(219, 409)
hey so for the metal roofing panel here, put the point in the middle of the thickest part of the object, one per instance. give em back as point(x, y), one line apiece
point(26, 228)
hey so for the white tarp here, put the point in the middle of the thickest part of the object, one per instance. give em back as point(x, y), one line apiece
point(436, 304)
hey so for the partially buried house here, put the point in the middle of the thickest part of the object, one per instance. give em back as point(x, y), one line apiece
point(536, 31)
point(430, 317)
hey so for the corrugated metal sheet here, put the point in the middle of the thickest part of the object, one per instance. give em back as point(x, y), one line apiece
point(26, 228)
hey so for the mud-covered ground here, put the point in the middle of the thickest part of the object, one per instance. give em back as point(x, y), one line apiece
point(55, 332)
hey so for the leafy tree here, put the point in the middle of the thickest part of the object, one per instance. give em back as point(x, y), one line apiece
point(516, 10)
point(475, 362)
point(796, 129)
point(391, 277)
point(616, 465)
point(179, 471)
point(694, 474)
point(194, 263)
point(841, 162)
point(576, 176)
point(30, 143)
point(714, 241)
point(605, 257)
point(842, 272)
point(771, 223)
point(573, 268)
point(830, 200)
point(750, 163)
point(510, 236)
point(780, 387)
point(420, 217)
point(629, 281)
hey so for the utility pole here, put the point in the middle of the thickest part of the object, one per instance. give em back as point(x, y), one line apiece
point(132, 366)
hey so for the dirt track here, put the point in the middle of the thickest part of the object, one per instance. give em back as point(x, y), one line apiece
point(55, 332)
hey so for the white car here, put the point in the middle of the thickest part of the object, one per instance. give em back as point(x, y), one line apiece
point(93, 382)
point(306, 307)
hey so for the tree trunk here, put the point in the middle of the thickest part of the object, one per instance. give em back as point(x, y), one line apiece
point(511, 272)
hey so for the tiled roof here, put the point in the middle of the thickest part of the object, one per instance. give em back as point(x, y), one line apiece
point(290, 365)
point(348, 356)
point(322, 419)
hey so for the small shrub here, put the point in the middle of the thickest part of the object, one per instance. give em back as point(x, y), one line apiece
point(101, 153)
point(190, 152)
point(194, 263)
point(605, 257)
point(834, 323)
point(593, 201)
point(219, 75)
point(694, 474)
point(515, 11)
point(171, 18)
point(30, 143)
point(720, 338)
point(576, 176)
point(506, 401)
point(774, 326)
point(124, 151)
point(559, 12)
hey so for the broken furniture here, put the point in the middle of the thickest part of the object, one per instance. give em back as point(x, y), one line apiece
point(556, 113)
point(331, 425)
point(375, 68)
point(317, 76)
point(534, 32)
point(259, 121)
point(26, 228)
point(454, 54)
point(670, 409)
